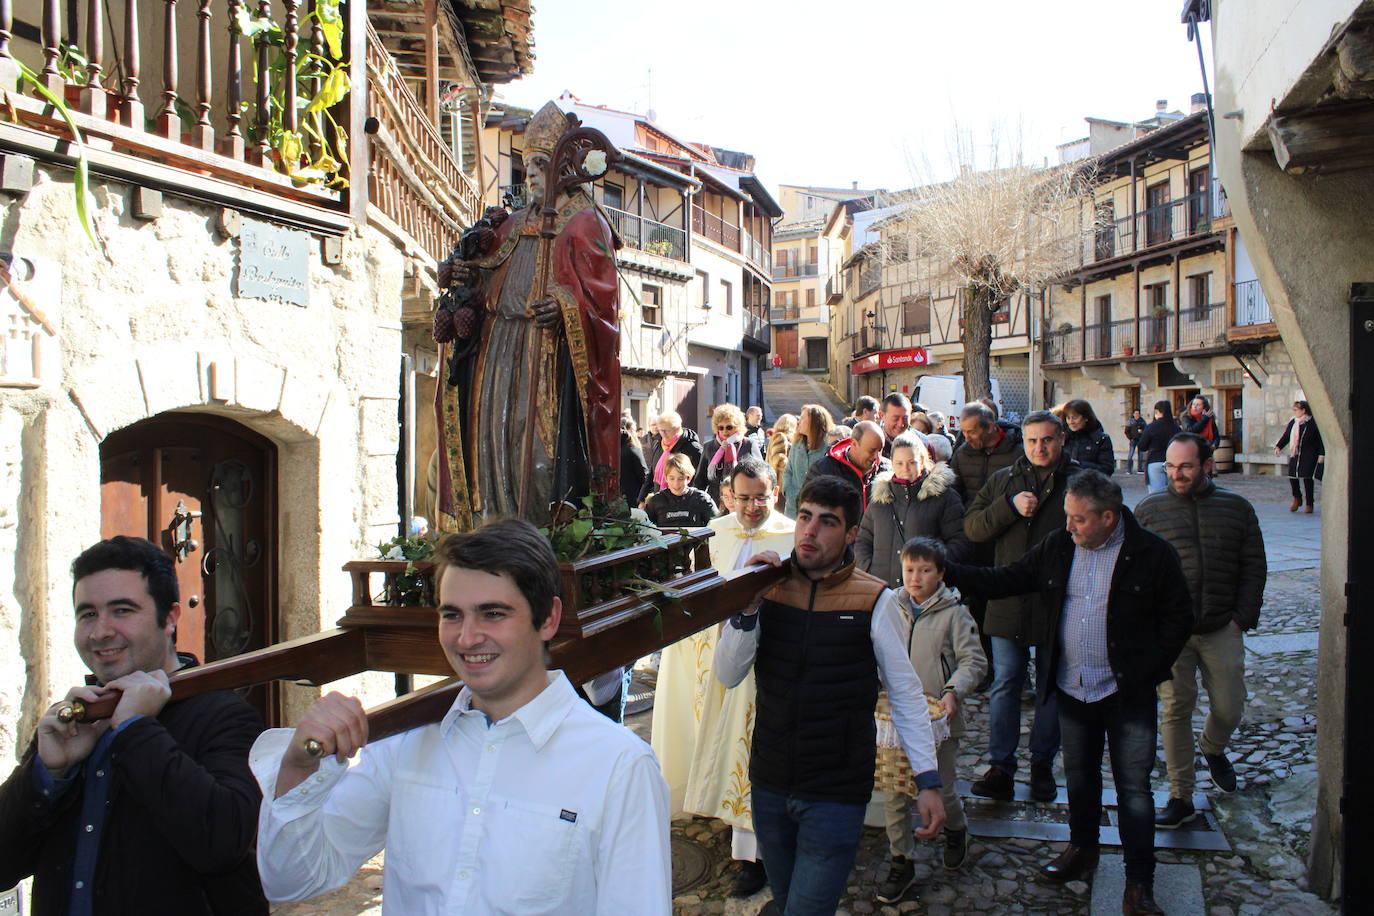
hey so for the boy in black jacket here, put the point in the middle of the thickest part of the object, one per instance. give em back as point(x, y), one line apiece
point(680, 505)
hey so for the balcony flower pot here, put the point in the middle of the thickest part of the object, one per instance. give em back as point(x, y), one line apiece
point(1128, 350)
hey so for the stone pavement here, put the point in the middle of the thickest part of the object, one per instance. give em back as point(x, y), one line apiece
point(1267, 821)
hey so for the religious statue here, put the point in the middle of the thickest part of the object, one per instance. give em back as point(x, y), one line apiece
point(529, 410)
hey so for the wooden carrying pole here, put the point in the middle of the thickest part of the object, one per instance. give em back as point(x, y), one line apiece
point(351, 649)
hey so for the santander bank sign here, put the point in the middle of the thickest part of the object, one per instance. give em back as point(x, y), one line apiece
point(890, 359)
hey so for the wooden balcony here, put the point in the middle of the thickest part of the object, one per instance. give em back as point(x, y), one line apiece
point(194, 98)
point(414, 179)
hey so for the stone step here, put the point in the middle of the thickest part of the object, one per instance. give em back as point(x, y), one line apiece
point(1178, 888)
point(786, 393)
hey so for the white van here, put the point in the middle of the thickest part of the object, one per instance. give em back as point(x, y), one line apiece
point(945, 393)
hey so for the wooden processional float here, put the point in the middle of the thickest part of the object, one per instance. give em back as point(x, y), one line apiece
point(605, 624)
point(603, 627)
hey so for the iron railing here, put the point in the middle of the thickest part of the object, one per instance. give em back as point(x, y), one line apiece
point(647, 234)
point(1251, 305)
point(791, 271)
point(1168, 222)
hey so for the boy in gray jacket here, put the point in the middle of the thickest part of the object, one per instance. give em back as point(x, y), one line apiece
point(946, 652)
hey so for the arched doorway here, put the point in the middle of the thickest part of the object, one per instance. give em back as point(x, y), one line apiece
point(203, 488)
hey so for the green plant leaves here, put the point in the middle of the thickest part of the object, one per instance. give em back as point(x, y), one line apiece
point(82, 176)
point(332, 91)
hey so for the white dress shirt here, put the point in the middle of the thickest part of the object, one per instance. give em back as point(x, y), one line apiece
point(554, 809)
point(737, 647)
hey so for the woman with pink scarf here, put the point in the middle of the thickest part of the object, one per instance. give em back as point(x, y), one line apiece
point(672, 439)
point(727, 448)
point(1306, 455)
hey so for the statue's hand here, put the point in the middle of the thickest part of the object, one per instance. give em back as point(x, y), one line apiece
point(546, 313)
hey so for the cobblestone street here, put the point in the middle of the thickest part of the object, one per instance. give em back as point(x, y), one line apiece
point(1266, 821)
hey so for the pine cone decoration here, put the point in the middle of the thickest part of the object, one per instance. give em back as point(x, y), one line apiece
point(445, 277)
point(464, 322)
point(444, 325)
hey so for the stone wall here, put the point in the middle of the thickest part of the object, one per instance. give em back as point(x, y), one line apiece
point(149, 322)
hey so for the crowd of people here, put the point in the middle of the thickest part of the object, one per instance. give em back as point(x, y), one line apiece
point(926, 559)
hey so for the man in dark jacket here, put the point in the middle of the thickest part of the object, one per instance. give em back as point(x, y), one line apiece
point(1017, 508)
point(153, 810)
point(988, 447)
point(1219, 542)
point(896, 419)
point(856, 460)
point(1118, 615)
point(1134, 427)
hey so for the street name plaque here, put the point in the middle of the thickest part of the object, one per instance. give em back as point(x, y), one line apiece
point(274, 263)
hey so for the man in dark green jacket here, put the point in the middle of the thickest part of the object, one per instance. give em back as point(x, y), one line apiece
point(1017, 508)
point(1219, 542)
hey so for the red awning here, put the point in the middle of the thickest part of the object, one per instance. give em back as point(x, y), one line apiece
point(889, 359)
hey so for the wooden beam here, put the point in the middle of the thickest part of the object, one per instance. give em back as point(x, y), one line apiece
point(1331, 138)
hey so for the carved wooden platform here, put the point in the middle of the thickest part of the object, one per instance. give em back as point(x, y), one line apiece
point(598, 637)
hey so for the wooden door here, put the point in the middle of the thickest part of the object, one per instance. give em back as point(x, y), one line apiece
point(1233, 420)
point(785, 345)
point(203, 489)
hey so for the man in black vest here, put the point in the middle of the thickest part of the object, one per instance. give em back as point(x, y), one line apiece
point(819, 642)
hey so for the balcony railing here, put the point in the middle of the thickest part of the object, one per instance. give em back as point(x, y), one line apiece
point(648, 234)
point(1158, 225)
point(834, 289)
point(793, 271)
point(241, 122)
point(756, 326)
point(415, 179)
point(1202, 327)
point(1251, 305)
point(712, 227)
point(1064, 346)
point(1114, 338)
point(758, 252)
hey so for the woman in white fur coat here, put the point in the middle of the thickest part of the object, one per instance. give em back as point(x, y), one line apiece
point(917, 499)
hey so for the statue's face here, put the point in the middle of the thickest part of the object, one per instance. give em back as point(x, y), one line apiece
point(536, 177)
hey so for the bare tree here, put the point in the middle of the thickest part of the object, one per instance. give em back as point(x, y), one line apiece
point(1005, 229)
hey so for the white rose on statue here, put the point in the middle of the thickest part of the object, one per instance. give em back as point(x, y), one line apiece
point(594, 163)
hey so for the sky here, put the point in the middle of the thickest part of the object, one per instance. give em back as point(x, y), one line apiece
point(873, 91)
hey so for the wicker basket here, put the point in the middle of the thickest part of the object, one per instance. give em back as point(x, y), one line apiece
point(892, 771)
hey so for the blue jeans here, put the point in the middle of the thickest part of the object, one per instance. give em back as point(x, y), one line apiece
point(1155, 478)
point(1129, 728)
point(808, 849)
point(1131, 463)
point(1004, 708)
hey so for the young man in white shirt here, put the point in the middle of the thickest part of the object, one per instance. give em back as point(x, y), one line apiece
point(819, 643)
point(523, 799)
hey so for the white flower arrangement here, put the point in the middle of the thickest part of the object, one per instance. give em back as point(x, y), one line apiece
point(594, 163)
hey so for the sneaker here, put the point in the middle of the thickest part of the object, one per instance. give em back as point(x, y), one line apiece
point(996, 784)
point(1176, 813)
point(901, 875)
point(1223, 774)
point(749, 880)
point(1043, 786)
point(956, 848)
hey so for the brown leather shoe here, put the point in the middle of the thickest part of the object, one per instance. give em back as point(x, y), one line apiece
point(1308, 510)
point(1297, 504)
point(1139, 900)
point(1071, 864)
